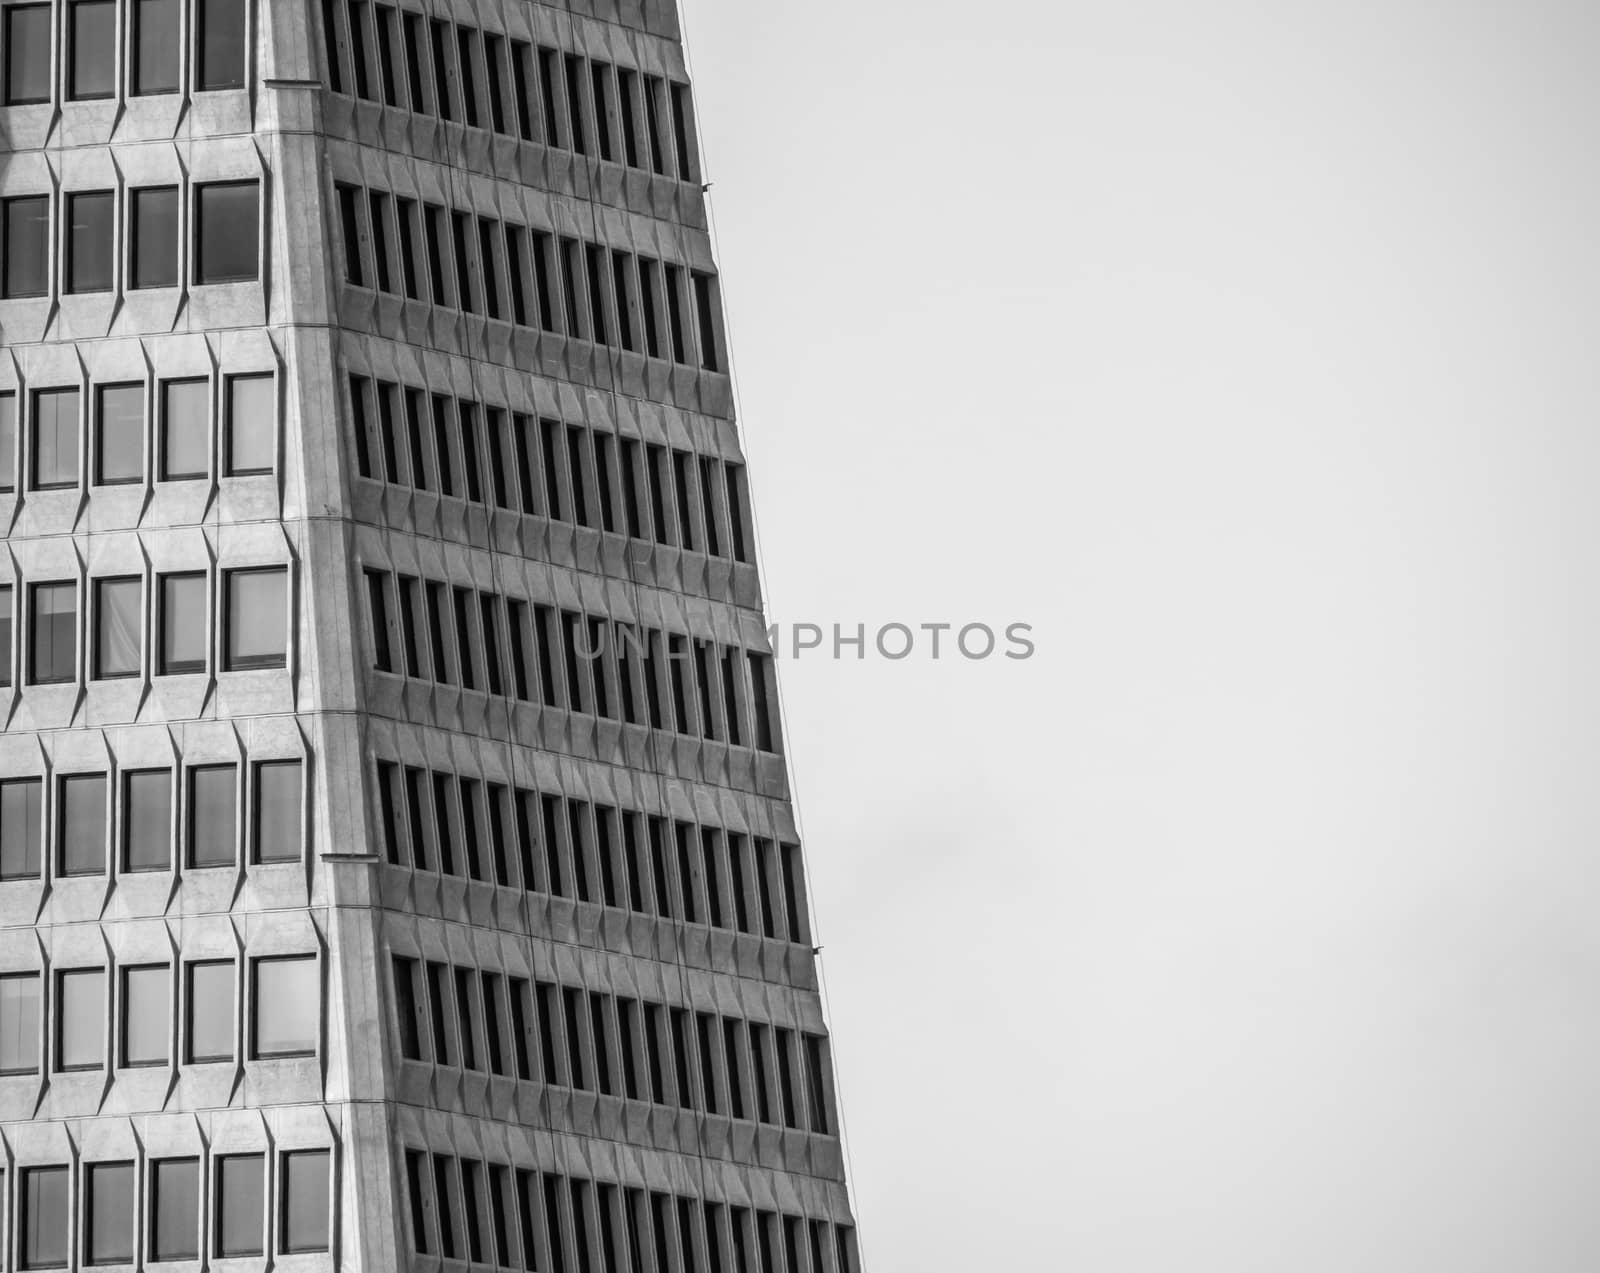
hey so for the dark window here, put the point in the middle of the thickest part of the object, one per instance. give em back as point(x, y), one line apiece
point(227, 247)
point(378, 205)
point(53, 657)
point(415, 1192)
point(409, 226)
point(81, 829)
point(144, 1015)
point(108, 1208)
point(350, 226)
point(408, 1008)
point(28, 61)
point(8, 443)
point(27, 226)
point(286, 1002)
point(212, 824)
point(116, 628)
point(155, 42)
point(175, 1209)
point(182, 624)
point(21, 827)
point(19, 1023)
point(256, 619)
point(277, 811)
point(221, 44)
point(185, 430)
point(91, 35)
point(305, 1201)
point(680, 130)
point(119, 434)
point(55, 438)
point(153, 253)
point(147, 820)
point(241, 1205)
point(89, 239)
point(80, 1019)
point(209, 993)
point(44, 1219)
point(704, 308)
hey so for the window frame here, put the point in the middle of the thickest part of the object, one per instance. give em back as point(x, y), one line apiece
point(97, 653)
point(190, 1056)
point(6, 37)
point(255, 663)
point(199, 274)
point(34, 589)
point(60, 1020)
point(125, 1015)
point(183, 667)
point(70, 252)
point(257, 1000)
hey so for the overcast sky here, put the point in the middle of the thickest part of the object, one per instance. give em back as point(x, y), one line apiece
point(1250, 352)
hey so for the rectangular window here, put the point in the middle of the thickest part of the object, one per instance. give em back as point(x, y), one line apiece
point(5, 636)
point(28, 61)
point(26, 230)
point(80, 1019)
point(53, 635)
point(305, 1201)
point(81, 824)
point(241, 1205)
point(119, 434)
point(43, 1222)
point(278, 835)
point(8, 442)
point(212, 825)
point(408, 1007)
point(250, 443)
point(21, 827)
point(704, 308)
point(108, 1209)
point(227, 245)
point(116, 628)
point(378, 212)
point(220, 44)
point(89, 221)
point(153, 212)
point(286, 1005)
point(145, 1015)
point(19, 1023)
point(175, 1209)
point(155, 46)
point(92, 51)
point(256, 619)
point(185, 429)
point(147, 820)
point(55, 439)
point(209, 993)
point(181, 624)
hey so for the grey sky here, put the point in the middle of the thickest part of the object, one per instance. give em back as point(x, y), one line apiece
point(1249, 351)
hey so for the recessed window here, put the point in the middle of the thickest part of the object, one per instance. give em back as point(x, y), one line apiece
point(221, 44)
point(153, 253)
point(182, 624)
point(209, 994)
point(8, 442)
point(19, 1023)
point(213, 827)
point(305, 1201)
point(55, 439)
point(175, 1209)
point(92, 49)
point(256, 624)
point(108, 1209)
point(80, 1019)
point(241, 1205)
point(147, 820)
point(252, 424)
point(155, 46)
point(28, 62)
point(53, 635)
point(286, 1000)
point(277, 811)
point(226, 214)
point(26, 230)
point(118, 434)
point(185, 430)
point(5, 636)
point(81, 824)
point(145, 1016)
point(116, 627)
point(43, 1220)
point(90, 217)
point(21, 827)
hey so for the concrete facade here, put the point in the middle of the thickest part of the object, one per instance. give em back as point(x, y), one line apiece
point(541, 852)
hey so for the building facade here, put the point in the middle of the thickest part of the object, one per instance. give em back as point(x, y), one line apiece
point(397, 864)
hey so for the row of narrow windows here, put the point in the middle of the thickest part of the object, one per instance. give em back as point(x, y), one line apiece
point(482, 79)
point(613, 1045)
point(123, 823)
point(90, 1213)
point(453, 635)
point(519, 1218)
point(148, 60)
point(131, 237)
point(184, 624)
point(181, 433)
point(544, 468)
point(505, 271)
point(142, 1001)
point(592, 852)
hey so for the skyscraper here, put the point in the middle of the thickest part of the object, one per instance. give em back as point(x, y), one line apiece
point(397, 865)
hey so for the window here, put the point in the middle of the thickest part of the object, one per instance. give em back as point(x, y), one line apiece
point(21, 827)
point(19, 1023)
point(209, 994)
point(82, 824)
point(221, 44)
point(90, 216)
point(251, 441)
point(55, 439)
point(144, 1015)
point(92, 49)
point(277, 811)
point(212, 826)
point(286, 999)
point(26, 226)
point(305, 1201)
point(8, 441)
point(147, 820)
point(182, 622)
point(5, 636)
point(175, 1209)
point(154, 214)
point(350, 225)
point(116, 628)
point(256, 620)
point(80, 1019)
point(155, 45)
point(43, 1220)
point(227, 247)
point(108, 1209)
point(28, 63)
point(185, 429)
point(118, 434)
point(241, 1205)
point(53, 636)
